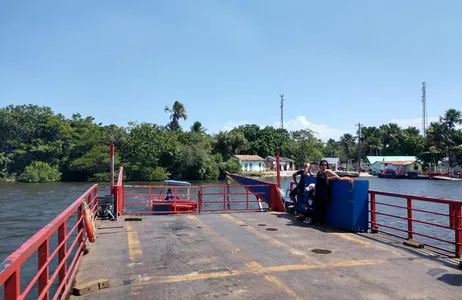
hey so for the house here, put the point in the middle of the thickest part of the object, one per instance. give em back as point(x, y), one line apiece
point(286, 164)
point(251, 163)
point(373, 159)
point(443, 166)
point(398, 163)
point(333, 162)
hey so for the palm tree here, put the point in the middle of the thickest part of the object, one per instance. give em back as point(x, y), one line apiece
point(177, 112)
point(451, 118)
point(197, 127)
point(347, 141)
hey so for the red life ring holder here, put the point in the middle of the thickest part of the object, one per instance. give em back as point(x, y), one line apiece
point(89, 224)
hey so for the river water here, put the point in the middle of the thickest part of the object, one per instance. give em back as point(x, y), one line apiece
point(25, 208)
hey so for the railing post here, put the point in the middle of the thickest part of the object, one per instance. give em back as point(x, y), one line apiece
point(13, 286)
point(80, 226)
point(199, 196)
point(224, 197)
point(374, 228)
point(62, 252)
point(43, 252)
point(458, 229)
point(246, 199)
point(409, 218)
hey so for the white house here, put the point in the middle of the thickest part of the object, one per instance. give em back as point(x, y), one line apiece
point(333, 162)
point(251, 163)
point(286, 164)
point(444, 164)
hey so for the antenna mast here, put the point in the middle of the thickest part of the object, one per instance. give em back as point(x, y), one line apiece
point(282, 111)
point(424, 109)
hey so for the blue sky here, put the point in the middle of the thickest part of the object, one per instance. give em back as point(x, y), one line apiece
point(336, 62)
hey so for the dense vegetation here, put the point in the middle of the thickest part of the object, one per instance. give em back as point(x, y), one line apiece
point(37, 145)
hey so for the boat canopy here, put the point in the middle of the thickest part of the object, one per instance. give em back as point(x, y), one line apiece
point(176, 182)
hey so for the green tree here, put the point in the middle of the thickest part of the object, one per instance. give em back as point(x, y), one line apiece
point(177, 112)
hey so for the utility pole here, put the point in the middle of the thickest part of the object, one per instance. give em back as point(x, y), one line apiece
point(424, 109)
point(359, 148)
point(282, 111)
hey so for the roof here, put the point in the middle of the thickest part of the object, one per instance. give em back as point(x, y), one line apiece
point(373, 159)
point(397, 163)
point(332, 160)
point(248, 157)
point(280, 158)
point(175, 182)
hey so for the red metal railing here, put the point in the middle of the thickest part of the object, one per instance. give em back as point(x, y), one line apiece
point(442, 217)
point(150, 199)
point(118, 192)
point(68, 254)
point(215, 198)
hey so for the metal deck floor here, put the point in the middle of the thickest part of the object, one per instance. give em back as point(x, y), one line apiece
point(256, 256)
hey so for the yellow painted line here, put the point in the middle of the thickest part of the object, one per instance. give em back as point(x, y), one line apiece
point(251, 266)
point(349, 238)
point(271, 240)
point(282, 286)
point(134, 251)
point(255, 268)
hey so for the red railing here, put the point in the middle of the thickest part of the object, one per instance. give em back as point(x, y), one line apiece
point(118, 192)
point(215, 198)
point(150, 199)
point(443, 219)
point(66, 256)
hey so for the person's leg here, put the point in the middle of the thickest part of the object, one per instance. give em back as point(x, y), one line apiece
point(293, 193)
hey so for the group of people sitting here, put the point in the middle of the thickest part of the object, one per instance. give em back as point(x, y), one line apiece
point(318, 193)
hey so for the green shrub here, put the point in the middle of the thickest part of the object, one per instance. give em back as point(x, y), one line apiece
point(39, 171)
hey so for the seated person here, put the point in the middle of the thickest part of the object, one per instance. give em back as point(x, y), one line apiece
point(300, 186)
point(169, 195)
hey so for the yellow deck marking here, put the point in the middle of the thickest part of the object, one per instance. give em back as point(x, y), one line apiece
point(349, 238)
point(271, 240)
point(134, 250)
point(282, 286)
point(251, 266)
point(254, 268)
point(258, 269)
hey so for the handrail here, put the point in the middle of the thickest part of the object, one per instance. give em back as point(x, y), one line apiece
point(118, 192)
point(10, 268)
point(454, 215)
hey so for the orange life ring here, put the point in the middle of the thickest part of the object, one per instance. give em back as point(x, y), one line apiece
point(89, 225)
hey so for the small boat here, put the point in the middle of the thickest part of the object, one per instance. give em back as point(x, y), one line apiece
point(393, 174)
point(177, 197)
point(347, 174)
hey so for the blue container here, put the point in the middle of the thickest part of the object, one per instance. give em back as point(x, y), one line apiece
point(348, 208)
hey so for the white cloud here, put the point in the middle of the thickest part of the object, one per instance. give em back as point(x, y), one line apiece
point(233, 124)
point(413, 122)
point(323, 131)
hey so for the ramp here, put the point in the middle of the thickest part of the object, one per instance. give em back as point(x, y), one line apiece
point(266, 191)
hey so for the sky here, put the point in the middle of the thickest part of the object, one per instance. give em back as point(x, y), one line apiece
point(337, 63)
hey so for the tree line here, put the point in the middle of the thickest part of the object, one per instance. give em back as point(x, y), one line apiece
point(38, 145)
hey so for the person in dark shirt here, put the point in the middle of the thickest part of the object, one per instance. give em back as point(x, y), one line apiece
point(300, 185)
